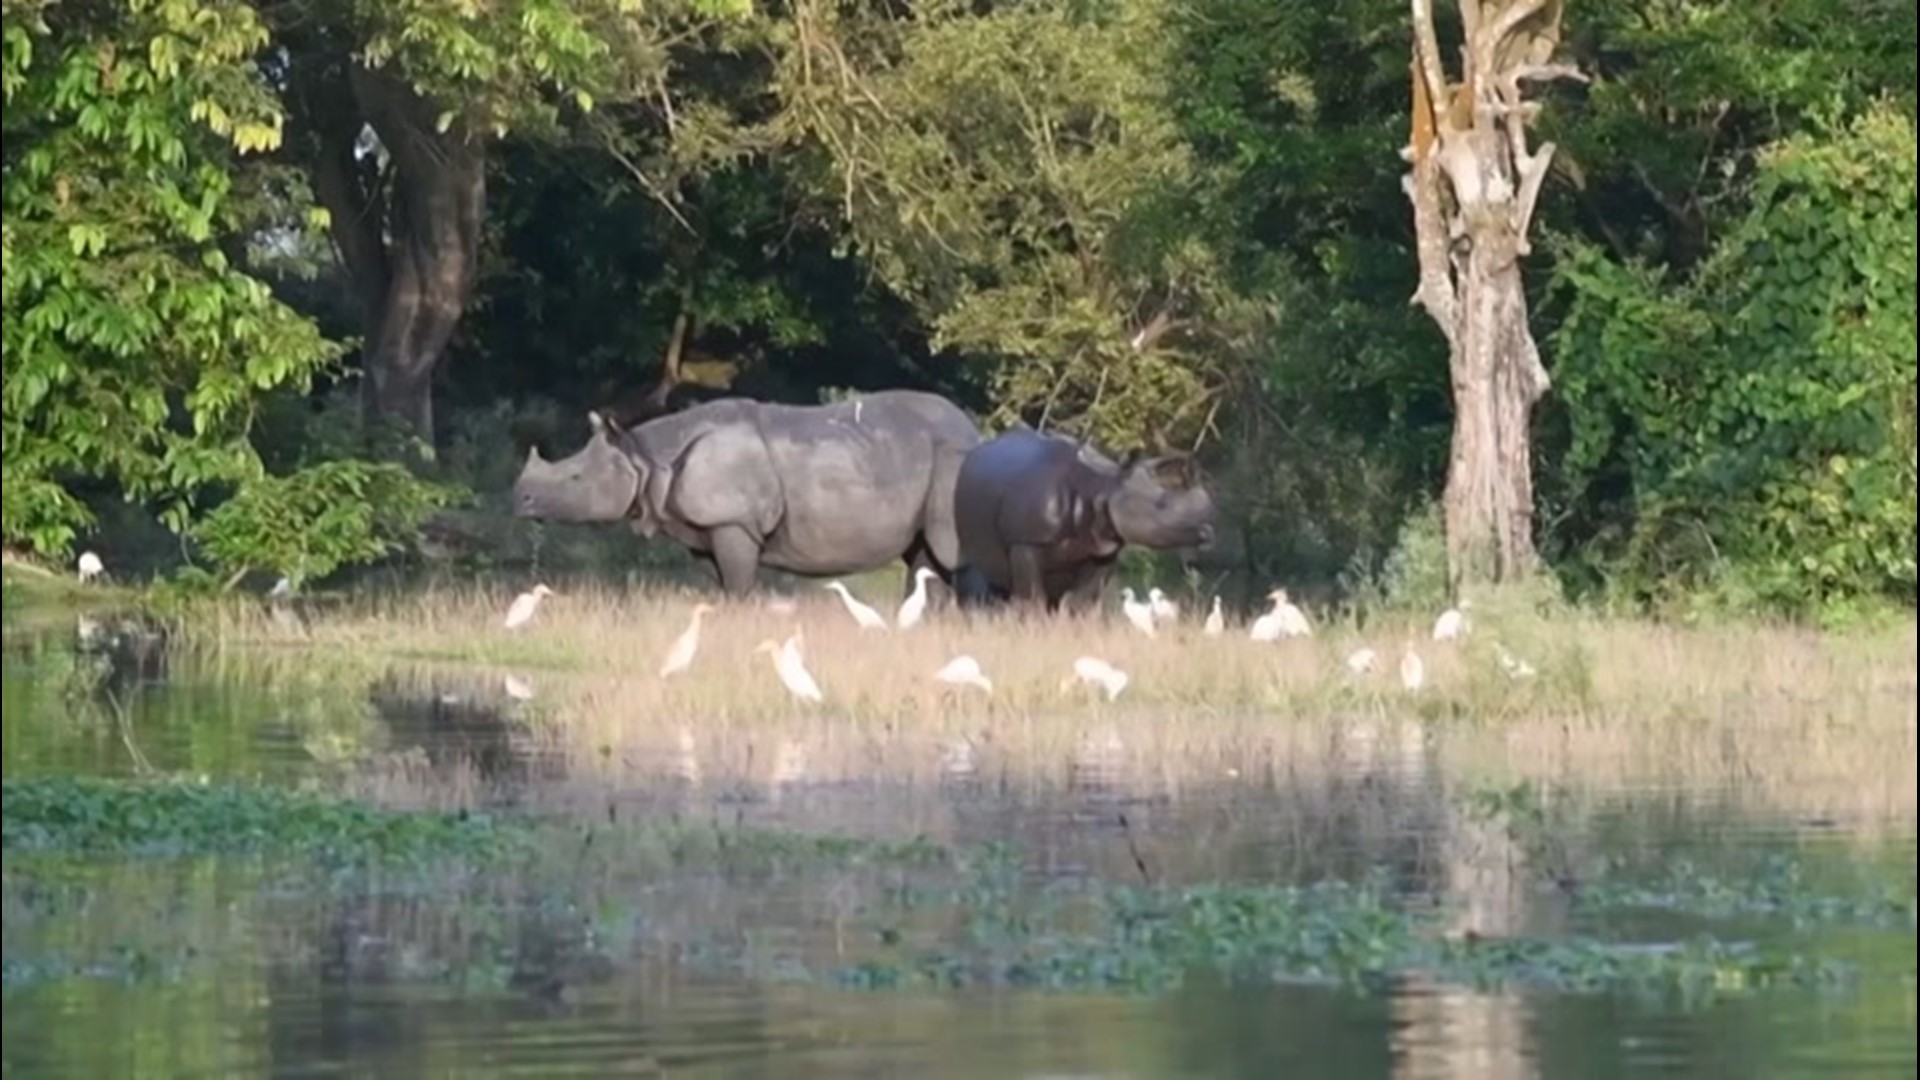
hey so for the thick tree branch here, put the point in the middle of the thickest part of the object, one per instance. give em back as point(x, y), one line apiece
point(1426, 56)
point(1530, 168)
point(1436, 291)
point(354, 217)
point(1509, 21)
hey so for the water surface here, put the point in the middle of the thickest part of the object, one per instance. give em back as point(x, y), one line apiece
point(631, 961)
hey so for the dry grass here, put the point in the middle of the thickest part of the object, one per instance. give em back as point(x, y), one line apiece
point(1787, 719)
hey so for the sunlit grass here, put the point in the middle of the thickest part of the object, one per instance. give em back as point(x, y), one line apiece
point(1785, 719)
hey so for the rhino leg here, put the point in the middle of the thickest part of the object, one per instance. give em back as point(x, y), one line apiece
point(1028, 563)
point(1085, 594)
point(970, 589)
point(940, 535)
point(737, 556)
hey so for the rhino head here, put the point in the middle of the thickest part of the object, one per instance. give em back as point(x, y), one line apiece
point(1161, 503)
point(602, 482)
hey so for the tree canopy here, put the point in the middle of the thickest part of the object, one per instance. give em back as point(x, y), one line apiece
point(1134, 220)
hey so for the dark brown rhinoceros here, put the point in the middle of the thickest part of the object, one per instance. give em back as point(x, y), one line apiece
point(1042, 518)
point(815, 490)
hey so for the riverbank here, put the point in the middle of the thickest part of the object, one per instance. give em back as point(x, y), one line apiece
point(1801, 724)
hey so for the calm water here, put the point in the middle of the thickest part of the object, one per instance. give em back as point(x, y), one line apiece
point(202, 967)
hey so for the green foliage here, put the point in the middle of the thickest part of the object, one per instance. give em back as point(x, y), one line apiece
point(509, 66)
point(308, 524)
point(135, 347)
point(1760, 411)
point(71, 814)
point(1017, 176)
point(991, 201)
point(1414, 576)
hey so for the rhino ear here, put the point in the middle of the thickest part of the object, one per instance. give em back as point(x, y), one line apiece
point(596, 422)
point(1176, 470)
point(533, 454)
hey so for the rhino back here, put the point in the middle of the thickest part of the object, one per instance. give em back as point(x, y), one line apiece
point(856, 479)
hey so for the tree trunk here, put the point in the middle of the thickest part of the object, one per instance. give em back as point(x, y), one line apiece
point(1473, 186)
point(1497, 379)
point(408, 233)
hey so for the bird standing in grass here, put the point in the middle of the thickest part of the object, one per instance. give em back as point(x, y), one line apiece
point(1361, 660)
point(524, 606)
point(680, 654)
point(90, 566)
point(914, 607)
point(1139, 613)
point(865, 616)
point(1452, 622)
point(1282, 620)
point(792, 670)
point(1164, 610)
point(1413, 670)
point(1096, 672)
point(1515, 667)
point(1216, 620)
point(964, 671)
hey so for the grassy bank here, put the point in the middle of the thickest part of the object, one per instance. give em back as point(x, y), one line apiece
point(1592, 665)
point(1790, 722)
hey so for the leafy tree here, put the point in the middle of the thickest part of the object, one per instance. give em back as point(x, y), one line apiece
point(397, 104)
point(136, 347)
point(1015, 172)
point(1760, 407)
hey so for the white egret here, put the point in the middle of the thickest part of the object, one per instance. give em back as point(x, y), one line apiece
point(1164, 610)
point(792, 670)
point(524, 606)
point(964, 671)
point(1452, 622)
point(914, 607)
point(680, 654)
point(1282, 620)
point(282, 589)
point(1216, 620)
point(1361, 660)
point(868, 618)
point(90, 566)
point(517, 688)
point(1413, 671)
point(1096, 672)
point(1139, 613)
point(1515, 667)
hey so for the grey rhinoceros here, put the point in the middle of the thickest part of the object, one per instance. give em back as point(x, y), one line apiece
point(1042, 518)
point(814, 490)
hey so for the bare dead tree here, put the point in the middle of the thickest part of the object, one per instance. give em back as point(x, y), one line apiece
point(1474, 185)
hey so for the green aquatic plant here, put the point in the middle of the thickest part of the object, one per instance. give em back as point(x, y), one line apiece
point(1778, 888)
point(175, 818)
point(518, 903)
